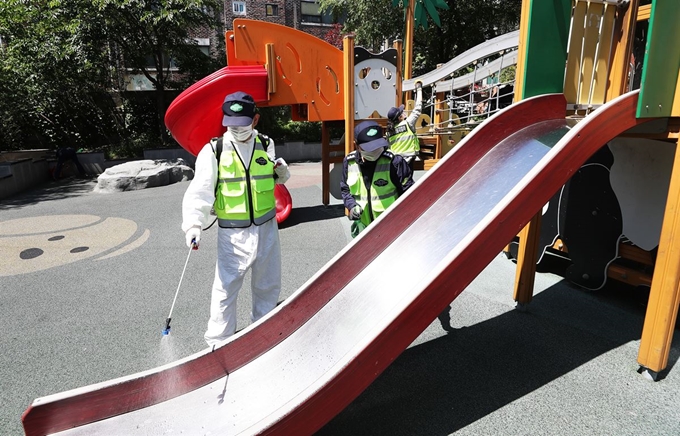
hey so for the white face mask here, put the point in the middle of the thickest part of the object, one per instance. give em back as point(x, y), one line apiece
point(241, 134)
point(372, 155)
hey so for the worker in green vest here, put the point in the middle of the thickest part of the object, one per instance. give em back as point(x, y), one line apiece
point(237, 184)
point(372, 177)
point(401, 129)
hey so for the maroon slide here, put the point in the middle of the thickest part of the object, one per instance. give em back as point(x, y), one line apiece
point(303, 363)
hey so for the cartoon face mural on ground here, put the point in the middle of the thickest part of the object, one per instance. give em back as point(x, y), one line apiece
point(38, 243)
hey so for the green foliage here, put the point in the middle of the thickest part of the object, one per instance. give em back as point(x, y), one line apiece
point(423, 8)
point(371, 22)
point(148, 33)
point(53, 71)
point(508, 74)
point(61, 63)
point(276, 123)
point(61, 66)
point(464, 24)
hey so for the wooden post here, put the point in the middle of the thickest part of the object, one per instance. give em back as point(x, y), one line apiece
point(410, 28)
point(624, 37)
point(664, 296)
point(348, 62)
point(522, 50)
point(408, 52)
point(529, 236)
point(398, 45)
point(676, 101)
point(270, 56)
point(527, 254)
point(439, 106)
point(325, 164)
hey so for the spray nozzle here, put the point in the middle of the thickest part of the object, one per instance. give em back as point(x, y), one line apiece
point(166, 331)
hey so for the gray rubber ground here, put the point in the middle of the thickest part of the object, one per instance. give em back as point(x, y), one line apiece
point(94, 312)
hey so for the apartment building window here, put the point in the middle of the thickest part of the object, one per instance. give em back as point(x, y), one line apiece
point(166, 62)
point(203, 45)
point(239, 8)
point(272, 10)
point(311, 13)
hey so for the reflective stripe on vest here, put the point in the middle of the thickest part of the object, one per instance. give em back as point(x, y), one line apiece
point(404, 140)
point(245, 197)
point(382, 192)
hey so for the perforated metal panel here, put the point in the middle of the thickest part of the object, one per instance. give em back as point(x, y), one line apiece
point(375, 82)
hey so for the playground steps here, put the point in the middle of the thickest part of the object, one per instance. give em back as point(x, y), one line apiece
point(634, 266)
point(428, 153)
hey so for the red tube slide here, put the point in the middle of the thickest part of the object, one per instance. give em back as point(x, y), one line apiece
point(195, 116)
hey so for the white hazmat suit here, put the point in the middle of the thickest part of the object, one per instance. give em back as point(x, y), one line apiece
point(238, 249)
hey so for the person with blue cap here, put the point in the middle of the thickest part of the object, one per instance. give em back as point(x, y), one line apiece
point(401, 129)
point(234, 179)
point(372, 177)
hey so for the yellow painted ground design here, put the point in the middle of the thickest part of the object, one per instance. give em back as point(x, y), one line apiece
point(38, 243)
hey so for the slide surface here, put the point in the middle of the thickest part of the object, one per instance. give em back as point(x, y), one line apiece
point(303, 363)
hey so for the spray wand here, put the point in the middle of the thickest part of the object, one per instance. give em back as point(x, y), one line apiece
point(194, 246)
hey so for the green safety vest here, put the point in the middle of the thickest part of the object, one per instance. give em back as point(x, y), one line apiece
point(382, 191)
point(404, 140)
point(245, 196)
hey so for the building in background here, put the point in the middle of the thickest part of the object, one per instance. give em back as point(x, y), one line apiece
point(303, 15)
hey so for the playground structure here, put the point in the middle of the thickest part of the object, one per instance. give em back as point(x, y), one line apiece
point(312, 77)
point(281, 378)
point(464, 92)
point(600, 66)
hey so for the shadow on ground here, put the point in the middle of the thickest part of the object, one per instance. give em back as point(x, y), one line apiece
point(50, 191)
point(299, 215)
point(443, 385)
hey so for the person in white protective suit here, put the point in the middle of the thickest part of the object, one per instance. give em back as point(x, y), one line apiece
point(240, 192)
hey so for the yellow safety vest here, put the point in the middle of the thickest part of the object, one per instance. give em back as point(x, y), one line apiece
point(245, 196)
point(404, 140)
point(382, 191)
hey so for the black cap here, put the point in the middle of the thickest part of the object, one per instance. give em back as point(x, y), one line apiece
point(394, 113)
point(369, 136)
point(239, 110)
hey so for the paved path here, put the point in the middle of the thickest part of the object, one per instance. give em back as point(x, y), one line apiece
point(87, 280)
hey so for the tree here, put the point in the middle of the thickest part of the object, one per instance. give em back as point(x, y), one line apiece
point(334, 36)
point(372, 22)
point(464, 24)
point(149, 34)
point(61, 63)
point(53, 69)
point(423, 10)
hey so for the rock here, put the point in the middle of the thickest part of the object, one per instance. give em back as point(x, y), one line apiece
point(142, 174)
